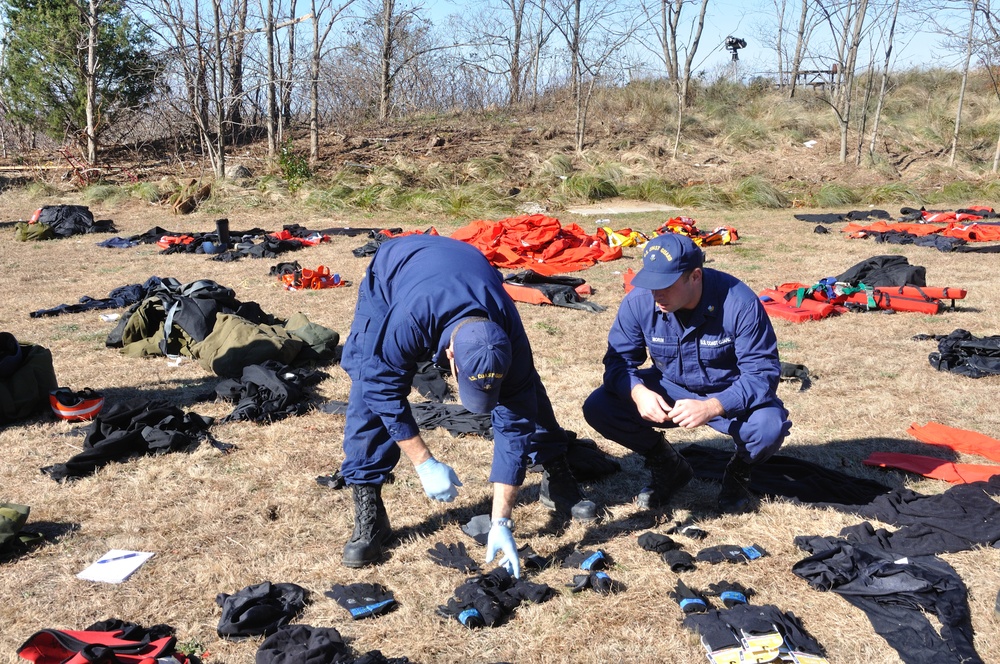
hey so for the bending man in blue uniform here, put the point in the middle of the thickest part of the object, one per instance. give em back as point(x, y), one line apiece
point(714, 361)
point(433, 298)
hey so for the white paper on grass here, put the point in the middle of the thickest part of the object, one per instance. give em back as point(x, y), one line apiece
point(118, 565)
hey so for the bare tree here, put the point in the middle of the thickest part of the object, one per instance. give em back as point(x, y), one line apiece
point(974, 5)
point(890, 38)
point(90, 76)
point(801, 37)
point(324, 15)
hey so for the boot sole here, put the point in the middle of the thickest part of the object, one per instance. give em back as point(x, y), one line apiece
point(549, 503)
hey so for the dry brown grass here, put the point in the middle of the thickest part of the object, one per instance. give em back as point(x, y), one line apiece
point(220, 523)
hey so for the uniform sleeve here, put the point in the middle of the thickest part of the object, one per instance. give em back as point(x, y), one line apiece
point(515, 417)
point(626, 348)
point(388, 375)
point(756, 359)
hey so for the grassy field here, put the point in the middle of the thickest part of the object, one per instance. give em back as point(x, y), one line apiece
point(220, 523)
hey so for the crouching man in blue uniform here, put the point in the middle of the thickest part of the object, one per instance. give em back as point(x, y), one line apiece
point(433, 298)
point(714, 361)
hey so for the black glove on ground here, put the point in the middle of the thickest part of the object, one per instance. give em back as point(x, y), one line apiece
point(679, 561)
point(454, 556)
point(532, 560)
point(478, 528)
point(732, 553)
point(694, 532)
point(363, 600)
point(599, 582)
point(731, 593)
point(590, 561)
point(689, 600)
point(657, 543)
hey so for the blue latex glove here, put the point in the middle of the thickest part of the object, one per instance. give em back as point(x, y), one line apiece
point(439, 480)
point(502, 540)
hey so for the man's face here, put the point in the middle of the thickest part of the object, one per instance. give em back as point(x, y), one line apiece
point(685, 293)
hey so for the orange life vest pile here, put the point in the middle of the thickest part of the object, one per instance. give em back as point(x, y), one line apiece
point(961, 225)
point(798, 303)
point(539, 243)
point(686, 226)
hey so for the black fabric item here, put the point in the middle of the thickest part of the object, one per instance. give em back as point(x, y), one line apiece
point(532, 560)
point(894, 596)
point(687, 530)
point(121, 297)
point(268, 392)
point(561, 291)
point(797, 372)
point(377, 238)
point(285, 268)
point(965, 354)
point(453, 418)
point(67, 220)
point(453, 555)
point(259, 609)
point(135, 428)
point(689, 600)
point(599, 582)
point(656, 542)
point(303, 644)
point(131, 631)
point(821, 229)
point(489, 599)
point(731, 553)
point(787, 476)
point(587, 560)
point(478, 528)
point(363, 600)
point(962, 517)
point(678, 561)
point(935, 241)
point(11, 356)
point(885, 271)
point(430, 383)
point(716, 634)
point(730, 592)
point(853, 215)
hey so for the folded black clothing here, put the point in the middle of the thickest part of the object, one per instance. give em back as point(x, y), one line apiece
point(363, 600)
point(269, 392)
point(305, 644)
point(489, 599)
point(259, 609)
point(678, 561)
point(656, 542)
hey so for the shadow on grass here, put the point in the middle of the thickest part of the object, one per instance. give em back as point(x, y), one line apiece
point(51, 532)
point(178, 391)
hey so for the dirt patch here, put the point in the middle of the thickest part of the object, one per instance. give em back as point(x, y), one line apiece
point(618, 206)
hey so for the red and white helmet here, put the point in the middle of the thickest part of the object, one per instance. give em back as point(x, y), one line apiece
point(76, 406)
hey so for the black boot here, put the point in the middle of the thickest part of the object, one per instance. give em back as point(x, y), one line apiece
point(371, 527)
point(735, 496)
point(560, 492)
point(669, 473)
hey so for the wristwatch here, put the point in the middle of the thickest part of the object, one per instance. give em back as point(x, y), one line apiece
point(503, 521)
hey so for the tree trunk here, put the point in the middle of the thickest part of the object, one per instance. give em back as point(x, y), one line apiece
point(91, 78)
point(885, 79)
point(237, 49)
point(965, 80)
point(537, 56)
point(314, 90)
point(517, 16)
point(385, 77)
point(220, 108)
point(289, 76)
point(272, 105)
point(799, 47)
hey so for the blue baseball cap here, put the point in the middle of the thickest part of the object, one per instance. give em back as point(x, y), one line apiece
point(665, 258)
point(482, 357)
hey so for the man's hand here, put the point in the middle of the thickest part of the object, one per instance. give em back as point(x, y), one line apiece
point(501, 540)
point(652, 406)
point(439, 480)
point(691, 413)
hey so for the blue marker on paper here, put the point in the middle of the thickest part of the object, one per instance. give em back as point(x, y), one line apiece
point(109, 560)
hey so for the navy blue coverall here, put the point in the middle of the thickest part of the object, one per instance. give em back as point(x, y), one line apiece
point(723, 348)
point(416, 290)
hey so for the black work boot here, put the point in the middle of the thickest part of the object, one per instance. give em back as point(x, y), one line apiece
point(669, 472)
point(735, 496)
point(560, 492)
point(371, 527)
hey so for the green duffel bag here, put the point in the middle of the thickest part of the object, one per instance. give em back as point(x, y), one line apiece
point(25, 392)
point(12, 519)
point(25, 232)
